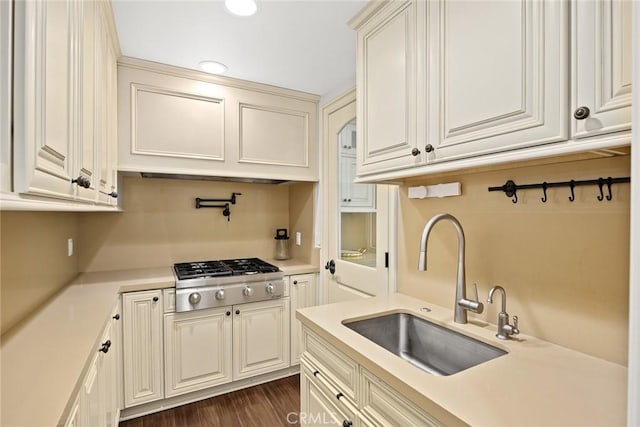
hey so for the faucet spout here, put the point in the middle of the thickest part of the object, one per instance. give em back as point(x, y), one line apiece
point(504, 297)
point(462, 304)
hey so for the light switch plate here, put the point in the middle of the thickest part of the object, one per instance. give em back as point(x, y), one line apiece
point(298, 238)
point(69, 247)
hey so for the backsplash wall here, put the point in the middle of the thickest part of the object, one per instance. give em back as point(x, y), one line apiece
point(564, 265)
point(34, 260)
point(160, 225)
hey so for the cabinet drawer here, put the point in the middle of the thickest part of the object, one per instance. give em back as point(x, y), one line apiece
point(338, 369)
point(383, 406)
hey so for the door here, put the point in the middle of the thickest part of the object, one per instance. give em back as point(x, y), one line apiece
point(197, 350)
point(260, 337)
point(356, 239)
point(142, 330)
point(601, 41)
point(387, 88)
point(501, 76)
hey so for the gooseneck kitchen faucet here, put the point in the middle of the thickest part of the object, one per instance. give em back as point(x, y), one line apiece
point(462, 304)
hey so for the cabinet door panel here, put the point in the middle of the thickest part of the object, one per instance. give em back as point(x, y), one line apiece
point(260, 338)
point(176, 124)
point(197, 350)
point(45, 97)
point(503, 74)
point(387, 88)
point(303, 294)
point(273, 136)
point(602, 66)
point(142, 322)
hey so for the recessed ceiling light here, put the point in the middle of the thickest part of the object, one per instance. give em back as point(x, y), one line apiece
point(212, 67)
point(241, 7)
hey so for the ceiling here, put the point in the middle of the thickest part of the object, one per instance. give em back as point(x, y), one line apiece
point(299, 44)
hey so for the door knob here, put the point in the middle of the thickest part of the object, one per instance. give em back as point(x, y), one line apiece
point(331, 266)
point(581, 113)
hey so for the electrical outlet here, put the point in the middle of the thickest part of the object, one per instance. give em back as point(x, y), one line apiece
point(298, 238)
point(69, 247)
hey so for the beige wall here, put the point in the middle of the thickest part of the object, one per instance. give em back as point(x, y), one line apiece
point(564, 265)
point(160, 225)
point(34, 260)
point(301, 202)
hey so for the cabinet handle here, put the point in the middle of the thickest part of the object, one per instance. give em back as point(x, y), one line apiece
point(428, 148)
point(348, 200)
point(117, 317)
point(228, 313)
point(105, 346)
point(339, 395)
point(415, 152)
point(237, 311)
point(347, 423)
point(113, 194)
point(155, 299)
point(82, 182)
point(295, 282)
point(581, 113)
point(315, 373)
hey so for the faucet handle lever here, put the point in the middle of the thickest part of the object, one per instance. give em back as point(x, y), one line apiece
point(475, 291)
point(515, 322)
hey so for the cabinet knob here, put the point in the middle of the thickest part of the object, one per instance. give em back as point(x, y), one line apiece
point(82, 182)
point(155, 299)
point(415, 152)
point(348, 200)
point(113, 194)
point(428, 148)
point(581, 113)
point(228, 313)
point(105, 346)
point(347, 423)
point(117, 317)
point(237, 311)
point(295, 282)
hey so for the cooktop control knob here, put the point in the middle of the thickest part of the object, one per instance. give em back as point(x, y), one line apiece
point(247, 291)
point(220, 294)
point(194, 298)
point(269, 288)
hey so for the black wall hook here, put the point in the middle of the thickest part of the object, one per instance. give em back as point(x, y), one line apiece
point(510, 189)
point(572, 185)
point(544, 190)
point(609, 182)
point(600, 184)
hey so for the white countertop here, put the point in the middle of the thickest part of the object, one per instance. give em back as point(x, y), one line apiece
point(536, 384)
point(44, 358)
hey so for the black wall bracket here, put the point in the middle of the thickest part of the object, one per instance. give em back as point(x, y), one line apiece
point(202, 203)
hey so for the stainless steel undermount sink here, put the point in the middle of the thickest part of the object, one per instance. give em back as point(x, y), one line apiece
point(430, 347)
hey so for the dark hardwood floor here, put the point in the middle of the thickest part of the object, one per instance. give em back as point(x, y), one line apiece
point(272, 404)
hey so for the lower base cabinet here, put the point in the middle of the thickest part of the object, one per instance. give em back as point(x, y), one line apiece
point(98, 401)
point(334, 389)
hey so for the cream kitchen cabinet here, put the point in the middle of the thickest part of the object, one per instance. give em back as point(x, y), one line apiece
point(354, 197)
point(506, 85)
point(178, 121)
point(389, 90)
point(601, 67)
point(302, 294)
point(198, 350)
point(499, 79)
point(61, 49)
point(260, 337)
point(333, 383)
point(98, 401)
point(142, 347)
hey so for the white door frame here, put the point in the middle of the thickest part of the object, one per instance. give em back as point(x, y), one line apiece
point(332, 106)
point(633, 383)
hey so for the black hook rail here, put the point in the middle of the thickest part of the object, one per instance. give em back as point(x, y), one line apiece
point(201, 203)
point(510, 188)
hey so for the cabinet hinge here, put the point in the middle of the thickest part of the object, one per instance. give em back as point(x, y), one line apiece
point(386, 260)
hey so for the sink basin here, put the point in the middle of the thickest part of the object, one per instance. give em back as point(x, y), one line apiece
point(430, 347)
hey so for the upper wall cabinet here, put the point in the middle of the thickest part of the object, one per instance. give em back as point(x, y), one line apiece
point(601, 37)
point(388, 87)
point(500, 75)
point(178, 121)
point(495, 82)
point(64, 100)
